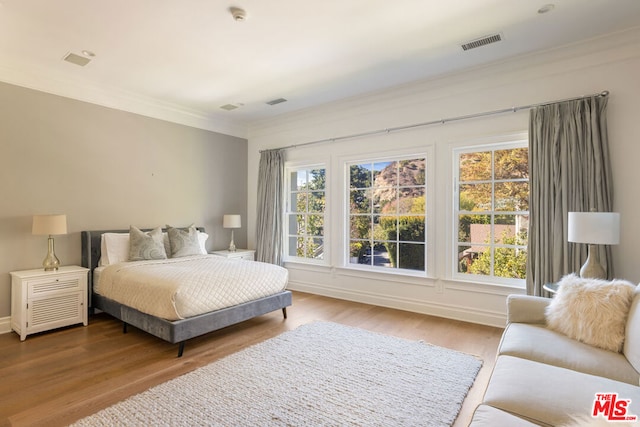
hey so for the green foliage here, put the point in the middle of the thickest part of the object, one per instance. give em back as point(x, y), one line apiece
point(509, 262)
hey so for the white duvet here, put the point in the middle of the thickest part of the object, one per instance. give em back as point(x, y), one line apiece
point(178, 288)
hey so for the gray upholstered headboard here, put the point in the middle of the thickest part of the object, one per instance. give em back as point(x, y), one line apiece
point(91, 245)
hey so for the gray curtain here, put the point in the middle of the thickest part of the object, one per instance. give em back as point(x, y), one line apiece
point(570, 171)
point(270, 207)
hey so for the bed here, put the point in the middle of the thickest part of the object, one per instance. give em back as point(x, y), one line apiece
point(176, 331)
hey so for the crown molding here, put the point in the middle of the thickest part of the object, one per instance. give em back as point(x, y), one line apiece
point(76, 89)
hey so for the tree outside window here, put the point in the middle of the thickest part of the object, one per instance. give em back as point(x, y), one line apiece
point(492, 211)
point(387, 214)
point(306, 207)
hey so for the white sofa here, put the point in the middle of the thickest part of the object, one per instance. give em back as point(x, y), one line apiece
point(544, 378)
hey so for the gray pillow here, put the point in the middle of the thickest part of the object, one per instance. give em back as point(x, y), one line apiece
point(183, 242)
point(144, 246)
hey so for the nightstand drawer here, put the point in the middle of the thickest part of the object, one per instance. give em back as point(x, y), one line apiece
point(40, 287)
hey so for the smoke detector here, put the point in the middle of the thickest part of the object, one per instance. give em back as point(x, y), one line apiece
point(238, 14)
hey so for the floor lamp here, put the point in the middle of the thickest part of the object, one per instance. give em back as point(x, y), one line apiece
point(594, 228)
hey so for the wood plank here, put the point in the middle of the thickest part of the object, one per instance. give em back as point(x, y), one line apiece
point(57, 377)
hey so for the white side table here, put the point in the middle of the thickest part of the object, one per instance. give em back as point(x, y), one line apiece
point(247, 254)
point(43, 300)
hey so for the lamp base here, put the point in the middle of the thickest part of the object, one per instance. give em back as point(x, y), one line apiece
point(51, 261)
point(232, 246)
point(592, 267)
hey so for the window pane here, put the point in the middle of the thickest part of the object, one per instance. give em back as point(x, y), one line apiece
point(412, 200)
point(296, 224)
point(380, 255)
point(475, 166)
point(360, 201)
point(317, 179)
point(296, 246)
point(411, 256)
point(360, 227)
point(299, 202)
point(298, 180)
point(480, 260)
point(464, 227)
point(315, 248)
point(360, 176)
point(510, 262)
point(386, 228)
point(315, 225)
point(464, 258)
point(512, 163)
point(412, 172)
point(512, 196)
point(384, 200)
point(316, 201)
point(411, 228)
point(475, 197)
point(358, 251)
point(385, 174)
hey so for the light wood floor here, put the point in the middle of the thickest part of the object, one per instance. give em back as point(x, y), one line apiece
point(57, 377)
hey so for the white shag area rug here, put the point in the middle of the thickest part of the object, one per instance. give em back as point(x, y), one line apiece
point(320, 374)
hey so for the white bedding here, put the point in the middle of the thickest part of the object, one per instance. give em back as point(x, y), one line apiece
point(178, 288)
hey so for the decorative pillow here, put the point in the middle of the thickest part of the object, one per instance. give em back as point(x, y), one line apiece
point(184, 242)
point(592, 311)
point(144, 246)
point(114, 248)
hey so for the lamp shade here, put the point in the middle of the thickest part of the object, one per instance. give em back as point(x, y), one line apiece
point(232, 221)
point(598, 228)
point(49, 224)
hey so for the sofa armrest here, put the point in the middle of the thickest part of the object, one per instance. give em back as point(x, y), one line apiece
point(526, 309)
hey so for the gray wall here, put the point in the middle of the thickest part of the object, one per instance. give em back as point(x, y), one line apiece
point(107, 169)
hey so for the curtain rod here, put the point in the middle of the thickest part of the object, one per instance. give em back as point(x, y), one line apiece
point(441, 121)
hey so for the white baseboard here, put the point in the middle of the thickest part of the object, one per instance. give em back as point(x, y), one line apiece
point(448, 311)
point(5, 325)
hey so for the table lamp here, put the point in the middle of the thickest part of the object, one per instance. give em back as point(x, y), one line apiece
point(232, 221)
point(594, 228)
point(50, 225)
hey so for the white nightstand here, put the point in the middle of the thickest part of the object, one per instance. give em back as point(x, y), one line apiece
point(43, 300)
point(247, 254)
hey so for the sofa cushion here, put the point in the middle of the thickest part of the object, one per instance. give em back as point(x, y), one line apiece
point(537, 343)
point(632, 332)
point(547, 394)
point(593, 311)
point(488, 416)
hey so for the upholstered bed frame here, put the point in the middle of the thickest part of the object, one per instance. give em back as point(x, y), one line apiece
point(177, 331)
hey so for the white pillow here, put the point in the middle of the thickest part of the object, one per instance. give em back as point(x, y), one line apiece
point(114, 248)
point(592, 311)
point(202, 239)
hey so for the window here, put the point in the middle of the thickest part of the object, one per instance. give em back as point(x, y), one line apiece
point(492, 211)
point(305, 219)
point(387, 214)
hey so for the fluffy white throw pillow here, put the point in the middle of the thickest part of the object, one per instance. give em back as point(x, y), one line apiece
point(592, 311)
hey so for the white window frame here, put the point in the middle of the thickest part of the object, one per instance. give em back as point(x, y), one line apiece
point(296, 167)
point(456, 152)
point(397, 155)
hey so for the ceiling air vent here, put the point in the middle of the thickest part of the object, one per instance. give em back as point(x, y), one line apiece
point(76, 59)
point(483, 41)
point(230, 107)
point(276, 101)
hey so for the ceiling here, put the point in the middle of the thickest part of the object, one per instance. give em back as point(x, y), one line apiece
point(187, 58)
